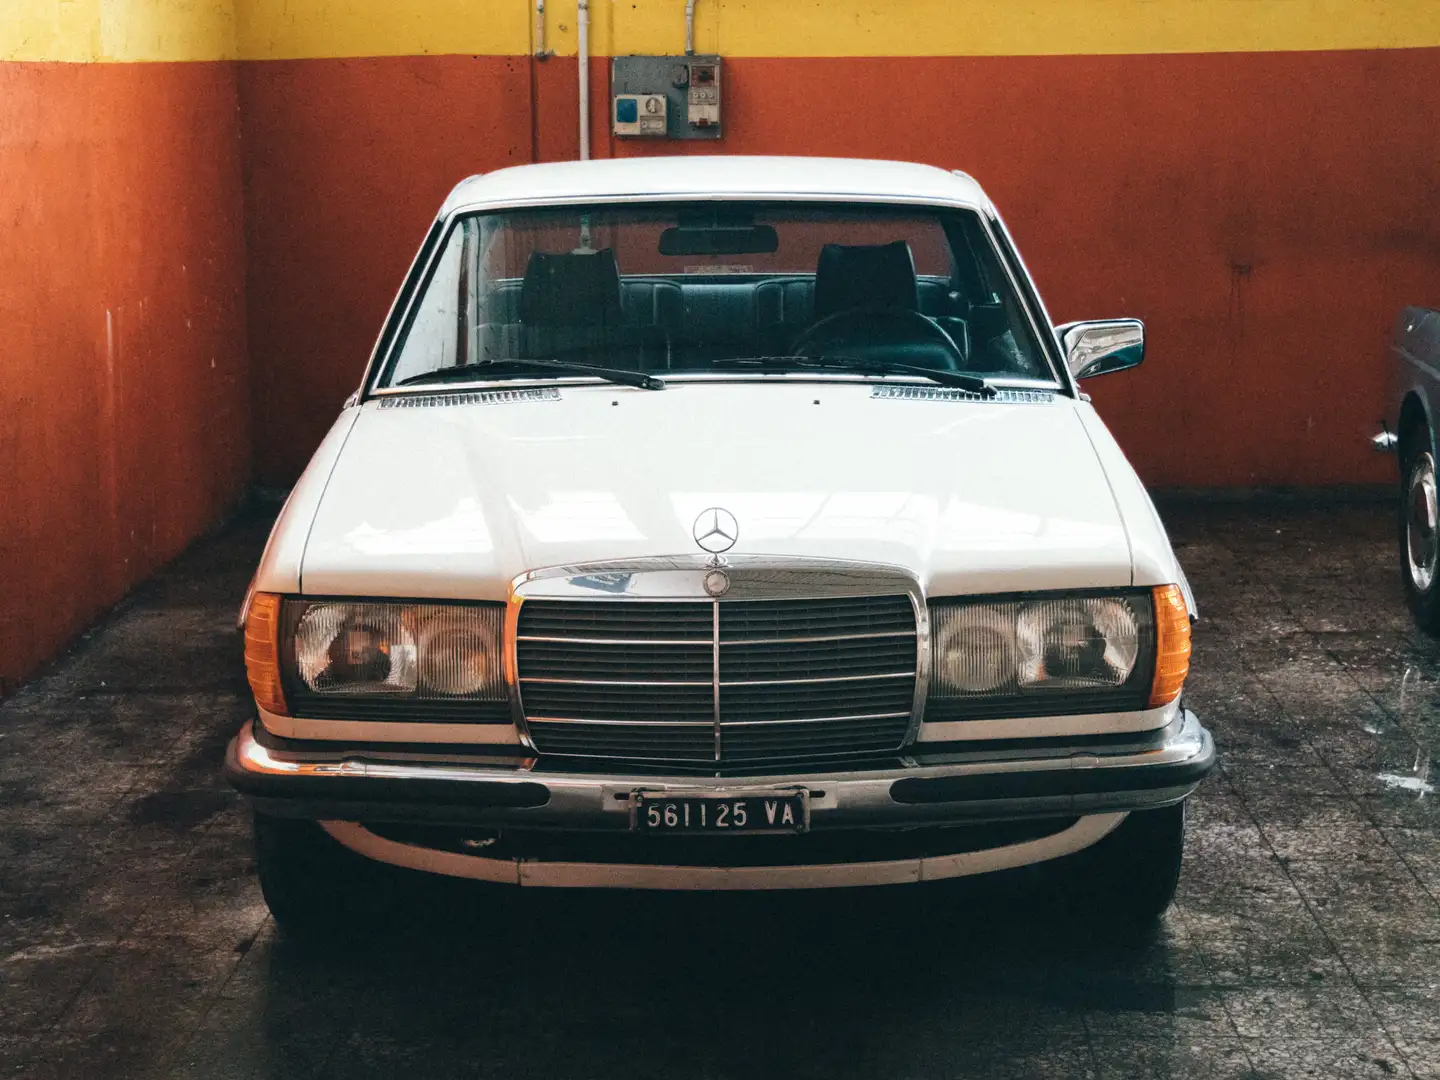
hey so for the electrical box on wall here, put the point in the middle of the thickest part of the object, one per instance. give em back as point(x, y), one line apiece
point(640, 114)
point(675, 97)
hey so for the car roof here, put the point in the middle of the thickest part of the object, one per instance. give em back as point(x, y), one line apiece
point(717, 176)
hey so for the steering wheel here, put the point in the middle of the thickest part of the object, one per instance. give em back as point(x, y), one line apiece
point(884, 335)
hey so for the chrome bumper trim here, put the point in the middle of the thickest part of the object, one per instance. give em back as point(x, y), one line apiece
point(1086, 831)
point(966, 787)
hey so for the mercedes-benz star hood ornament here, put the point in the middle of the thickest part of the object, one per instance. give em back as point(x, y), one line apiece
point(716, 530)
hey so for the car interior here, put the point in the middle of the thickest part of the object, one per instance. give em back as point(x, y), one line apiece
point(863, 300)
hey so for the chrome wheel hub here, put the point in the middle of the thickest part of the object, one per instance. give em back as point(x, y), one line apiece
point(1421, 545)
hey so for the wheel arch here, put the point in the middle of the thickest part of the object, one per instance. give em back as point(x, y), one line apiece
point(1414, 417)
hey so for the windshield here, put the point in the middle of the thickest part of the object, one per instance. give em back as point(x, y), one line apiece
point(693, 288)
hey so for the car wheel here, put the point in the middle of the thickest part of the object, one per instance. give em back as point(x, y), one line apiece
point(1130, 876)
point(1419, 542)
point(315, 886)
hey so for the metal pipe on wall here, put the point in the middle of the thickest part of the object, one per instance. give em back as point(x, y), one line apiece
point(582, 27)
point(689, 27)
point(540, 51)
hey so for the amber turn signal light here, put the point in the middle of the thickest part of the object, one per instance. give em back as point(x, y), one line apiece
point(1172, 645)
point(262, 652)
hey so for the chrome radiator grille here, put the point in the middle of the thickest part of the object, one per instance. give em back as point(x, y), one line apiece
point(733, 681)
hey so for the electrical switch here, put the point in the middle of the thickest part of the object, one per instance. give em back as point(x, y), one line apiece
point(703, 98)
point(640, 114)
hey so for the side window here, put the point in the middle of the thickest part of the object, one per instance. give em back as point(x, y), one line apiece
point(414, 284)
point(1001, 336)
point(438, 330)
point(1013, 259)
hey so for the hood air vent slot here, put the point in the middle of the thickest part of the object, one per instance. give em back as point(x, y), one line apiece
point(945, 393)
point(469, 397)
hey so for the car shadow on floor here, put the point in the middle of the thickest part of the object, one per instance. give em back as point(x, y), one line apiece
point(970, 978)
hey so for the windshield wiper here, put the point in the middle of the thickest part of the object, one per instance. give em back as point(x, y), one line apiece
point(519, 367)
point(973, 383)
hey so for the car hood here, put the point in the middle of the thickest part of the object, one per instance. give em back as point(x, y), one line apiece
point(459, 496)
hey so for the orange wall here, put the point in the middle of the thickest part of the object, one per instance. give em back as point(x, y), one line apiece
point(1266, 213)
point(346, 163)
point(207, 208)
point(124, 407)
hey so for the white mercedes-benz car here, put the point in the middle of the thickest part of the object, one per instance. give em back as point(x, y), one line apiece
point(720, 523)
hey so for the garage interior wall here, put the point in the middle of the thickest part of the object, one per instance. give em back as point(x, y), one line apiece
point(208, 207)
point(1254, 178)
point(124, 373)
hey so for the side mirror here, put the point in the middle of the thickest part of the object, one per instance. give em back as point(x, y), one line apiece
point(1102, 346)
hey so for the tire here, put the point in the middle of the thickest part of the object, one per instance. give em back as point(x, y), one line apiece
point(1419, 529)
point(1129, 877)
point(314, 886)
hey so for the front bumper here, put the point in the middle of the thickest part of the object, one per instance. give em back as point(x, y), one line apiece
point(1093, 782)
point(954, 784)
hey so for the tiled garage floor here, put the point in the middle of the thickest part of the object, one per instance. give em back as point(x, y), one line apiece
point(1306, 942)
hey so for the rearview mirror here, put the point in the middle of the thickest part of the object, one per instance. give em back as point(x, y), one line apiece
point(1102, 346)
point(719, 240)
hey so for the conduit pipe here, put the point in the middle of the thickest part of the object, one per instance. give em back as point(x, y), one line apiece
point(689, 27)
point(582, 27)
point(540, 51)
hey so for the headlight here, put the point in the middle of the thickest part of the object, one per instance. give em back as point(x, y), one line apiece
point(458, 652)
point(1076, 644)
point(421, 651)
point(356, 649)
point(974, 648)
point(1054, 654)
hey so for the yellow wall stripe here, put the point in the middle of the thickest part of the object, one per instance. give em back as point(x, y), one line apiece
point(291, 29)
point(88, 31)
point(1005, 27)
point(138, 30)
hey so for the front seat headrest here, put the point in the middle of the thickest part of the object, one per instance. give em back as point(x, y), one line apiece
point(577, 289)
point(865, 275)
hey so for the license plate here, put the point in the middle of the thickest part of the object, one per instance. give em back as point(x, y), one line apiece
point(765, 812)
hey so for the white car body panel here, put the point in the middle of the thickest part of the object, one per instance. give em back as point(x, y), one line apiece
point(720, 178)
point(279, 569)
point(972, 497)
point(1153, 560)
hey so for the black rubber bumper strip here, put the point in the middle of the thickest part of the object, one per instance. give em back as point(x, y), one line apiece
point(1096, 781)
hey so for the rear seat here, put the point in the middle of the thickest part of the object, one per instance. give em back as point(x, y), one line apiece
point(782, 310)
point(709, 317)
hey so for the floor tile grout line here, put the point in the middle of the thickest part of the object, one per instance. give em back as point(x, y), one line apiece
point(215, 999)
point(1367, 992)
point(1330, 940)
point(219, 993)
point(1389, 1033)
point(1090, 1045)
point(1340, 663)
point(1350, 796)
point(1369, 816)
point(1279, 702)
point(1434, 894)
point(1189, 929)
point(117, 946)
point(107, 952)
